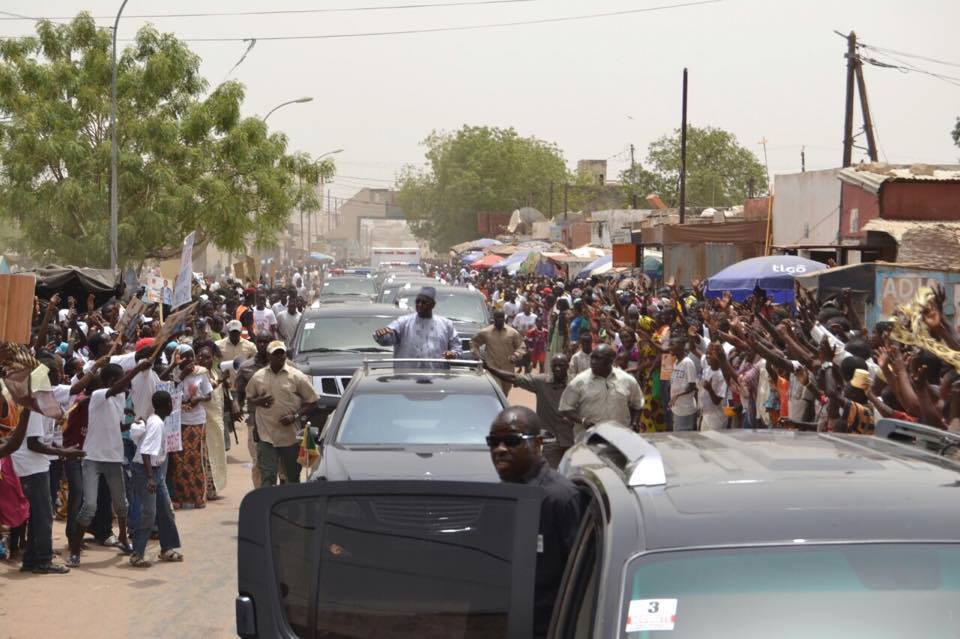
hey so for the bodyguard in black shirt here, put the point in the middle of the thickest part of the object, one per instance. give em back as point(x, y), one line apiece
point(516, 443)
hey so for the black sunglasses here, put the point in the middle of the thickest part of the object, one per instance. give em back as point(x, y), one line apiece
point(510, 441)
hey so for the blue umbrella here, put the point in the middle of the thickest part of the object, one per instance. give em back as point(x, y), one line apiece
point(594, 265)
point(471, 257)
point(513, 262)
point(322, 257)
point(773, 273)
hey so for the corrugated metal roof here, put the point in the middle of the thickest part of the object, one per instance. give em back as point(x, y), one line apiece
point(872, 177)
point(934, 245)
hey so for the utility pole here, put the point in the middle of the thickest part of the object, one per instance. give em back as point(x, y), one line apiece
point(848, 104)
point(551, 200)
point(566, 189)
point(633, 176)
point(683, 150)
point(855, 75)
point(633, 162)
point(865, 111)
point(329, 212)
point(803, 159)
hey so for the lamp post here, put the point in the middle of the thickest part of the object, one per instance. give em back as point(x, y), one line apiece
point(297, 101)
point(114, 198)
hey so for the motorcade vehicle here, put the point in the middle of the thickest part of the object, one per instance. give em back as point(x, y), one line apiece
point(393, 255)
point(412, 419)
point(347, 288)
point(747, 534)
point(393, 287)
point(331, 343)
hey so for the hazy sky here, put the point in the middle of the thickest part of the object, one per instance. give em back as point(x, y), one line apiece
point(759, 68)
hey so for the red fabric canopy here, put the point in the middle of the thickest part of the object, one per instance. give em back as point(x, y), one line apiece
point(487, 261)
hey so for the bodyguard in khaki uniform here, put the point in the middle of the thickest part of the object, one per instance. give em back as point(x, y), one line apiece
point(281, 394)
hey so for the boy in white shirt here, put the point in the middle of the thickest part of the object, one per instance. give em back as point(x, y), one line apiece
point(149, 470)
point(104, 453)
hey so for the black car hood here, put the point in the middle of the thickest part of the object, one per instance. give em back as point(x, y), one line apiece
point(337, 363)
point(420, 462)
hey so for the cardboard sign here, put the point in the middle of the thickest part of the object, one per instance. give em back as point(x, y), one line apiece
point(182, 290)
point(16, 307)
point(131, 318)
point(174, 324)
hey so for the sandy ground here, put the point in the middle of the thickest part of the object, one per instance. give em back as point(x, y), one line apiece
point(106, 597)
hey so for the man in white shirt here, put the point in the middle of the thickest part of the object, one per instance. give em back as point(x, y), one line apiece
point(149, 469)
point(683, 387)
point(264, 320)
point(713, 391)
point(31, 463)
point(288, 320)
point(104, 453)
point(524, 320)
point(603, 393)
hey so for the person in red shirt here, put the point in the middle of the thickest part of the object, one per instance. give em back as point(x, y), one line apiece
point(536, 339)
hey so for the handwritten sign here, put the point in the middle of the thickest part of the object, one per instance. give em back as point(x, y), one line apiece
point(172, 437)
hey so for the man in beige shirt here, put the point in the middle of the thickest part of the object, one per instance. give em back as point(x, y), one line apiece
point(233, 345)
point(601, 394)
point(281, 394)
point(504, 346)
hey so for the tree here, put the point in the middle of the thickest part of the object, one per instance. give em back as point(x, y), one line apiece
point(956, 133)
point(308, 173)
point(473, 170)
point(187, 161)
point(719, 170)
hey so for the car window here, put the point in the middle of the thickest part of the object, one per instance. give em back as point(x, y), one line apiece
point(349, 286)
point(426, 417)
point(868, 590)
point(464, 307)
point(378, 560)
point(340, 333)
point(577, 599)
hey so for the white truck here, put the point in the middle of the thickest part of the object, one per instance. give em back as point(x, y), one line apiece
point(380, 255)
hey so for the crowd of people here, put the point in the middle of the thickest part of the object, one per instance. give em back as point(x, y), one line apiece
point(144, 414)
point(667, 358)
point(147, 410)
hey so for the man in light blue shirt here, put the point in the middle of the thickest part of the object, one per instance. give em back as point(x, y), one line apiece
point(421, 335)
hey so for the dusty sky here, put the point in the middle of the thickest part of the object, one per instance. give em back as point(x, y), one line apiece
point(769, 69)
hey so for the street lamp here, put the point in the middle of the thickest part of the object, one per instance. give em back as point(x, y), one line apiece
point(113, 148)
point(297, 101)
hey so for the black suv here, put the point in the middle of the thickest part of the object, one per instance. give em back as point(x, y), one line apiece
point(331, 343)
point(744, 534)
point(400, 419)
point(347, 288)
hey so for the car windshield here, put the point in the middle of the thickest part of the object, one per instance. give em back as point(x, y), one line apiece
point(341, 333)
point(460, 307)
point(349, 286)
point(867, 590)
point(429, 417)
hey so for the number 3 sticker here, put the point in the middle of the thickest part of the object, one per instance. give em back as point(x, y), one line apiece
point(651, 614)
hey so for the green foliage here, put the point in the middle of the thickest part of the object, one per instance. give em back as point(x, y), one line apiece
point(477, 169)
point(719, 170)
point(187, 161)
point(956, 133)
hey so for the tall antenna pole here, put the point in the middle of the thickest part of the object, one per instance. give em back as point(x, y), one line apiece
point(683, 151)
point(865, 110)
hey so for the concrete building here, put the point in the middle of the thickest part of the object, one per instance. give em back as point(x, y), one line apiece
point(597, 169)
point(367, 204)
point(882, 206)
point(806, 213)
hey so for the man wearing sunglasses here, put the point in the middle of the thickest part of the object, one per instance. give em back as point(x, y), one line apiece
point(516, 443)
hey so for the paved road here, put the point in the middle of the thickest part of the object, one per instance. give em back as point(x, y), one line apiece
point(105, 597)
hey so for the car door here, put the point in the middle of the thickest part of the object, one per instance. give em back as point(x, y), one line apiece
point(397, 559)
